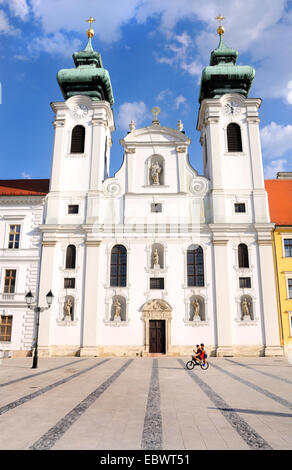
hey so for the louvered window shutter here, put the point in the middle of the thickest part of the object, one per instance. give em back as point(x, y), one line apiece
point(78, 139)
point(234, 138)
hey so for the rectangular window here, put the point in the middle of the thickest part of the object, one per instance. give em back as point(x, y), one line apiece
point(244, 283)
point(288, 247)
point(73, 209)
point(5, 327)
point(156, 207)
point(239, 207)
point(289, 288)
point(69, 283)
point(290, 323)
point(14, 236)
point(156, 283)
point(9, 281)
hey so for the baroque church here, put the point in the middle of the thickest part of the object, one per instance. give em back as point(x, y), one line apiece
point(156, 258)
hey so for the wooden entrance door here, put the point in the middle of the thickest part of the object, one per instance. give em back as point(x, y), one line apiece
point(157, 336)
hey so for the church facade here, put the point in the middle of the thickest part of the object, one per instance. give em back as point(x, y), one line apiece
point(157, 258)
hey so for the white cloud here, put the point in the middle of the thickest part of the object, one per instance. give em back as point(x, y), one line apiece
point(257, 28)
point(5, 26)
point(57, 43)
point(25, 176)
point(19, 8)
point(273, 167)
point(180, 101)
point(276, 140)
point(136, 111)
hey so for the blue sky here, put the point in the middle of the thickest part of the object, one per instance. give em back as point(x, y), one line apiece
point(154, 51)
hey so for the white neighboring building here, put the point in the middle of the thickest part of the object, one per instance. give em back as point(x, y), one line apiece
point(157, 258)
point(21, 214)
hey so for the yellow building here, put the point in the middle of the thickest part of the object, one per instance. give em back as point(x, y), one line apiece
point(280, 203)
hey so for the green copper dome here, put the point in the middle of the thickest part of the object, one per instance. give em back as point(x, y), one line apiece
point(223, 75)
point(88, 78)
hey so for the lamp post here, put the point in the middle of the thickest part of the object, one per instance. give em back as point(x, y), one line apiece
point(29, 302)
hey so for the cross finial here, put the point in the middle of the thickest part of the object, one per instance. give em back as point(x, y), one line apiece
point(90, 31)
point(220, 29)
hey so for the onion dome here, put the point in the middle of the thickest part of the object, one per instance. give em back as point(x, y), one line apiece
point(88, 77)
point(223, 75)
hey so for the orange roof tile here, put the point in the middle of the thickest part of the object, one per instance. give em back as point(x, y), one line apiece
point(280, 200)
point(27, 187)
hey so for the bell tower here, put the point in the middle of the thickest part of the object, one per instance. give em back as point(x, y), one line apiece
point(229, 125)
point(83, 126)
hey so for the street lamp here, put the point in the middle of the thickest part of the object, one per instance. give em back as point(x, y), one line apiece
point(29, 298)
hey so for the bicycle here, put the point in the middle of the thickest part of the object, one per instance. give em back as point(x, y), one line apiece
point(194, 362)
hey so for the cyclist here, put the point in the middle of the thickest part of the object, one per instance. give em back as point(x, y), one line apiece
point(203, 354)
point(197, 353)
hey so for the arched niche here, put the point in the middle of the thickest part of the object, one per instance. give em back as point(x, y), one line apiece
point(155, 170)
point(197, 308)
point(246, 308)
point(68, 308)
point(157, 253)
point(118, 309)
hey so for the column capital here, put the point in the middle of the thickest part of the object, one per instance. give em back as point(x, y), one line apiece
point(92, 242)
point(220, 242)
point(99, 122)
point(59, 123)
point(265, 242)
point(49, 242)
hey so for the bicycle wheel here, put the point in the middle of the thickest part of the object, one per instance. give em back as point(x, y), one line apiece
point(205, 366)
point(190, 365)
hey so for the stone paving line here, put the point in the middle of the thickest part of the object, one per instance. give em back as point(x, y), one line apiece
point(4, 409)
point(185, 427)
point(26, 377)
point(48, 440)
point(249, 435)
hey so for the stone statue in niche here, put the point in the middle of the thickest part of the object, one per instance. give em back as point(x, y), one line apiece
point(156, 259)
point(245, 309)
point(155, 172)
point(67, 308)
point(196, 309)
point(117, 310)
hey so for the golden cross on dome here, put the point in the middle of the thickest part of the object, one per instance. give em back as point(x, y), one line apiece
point(220, 29)
point(90, 31)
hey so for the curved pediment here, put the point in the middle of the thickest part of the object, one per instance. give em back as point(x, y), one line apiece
point(157, 305)
point(155, 134)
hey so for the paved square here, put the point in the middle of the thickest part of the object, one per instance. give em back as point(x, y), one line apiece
point(145, 403)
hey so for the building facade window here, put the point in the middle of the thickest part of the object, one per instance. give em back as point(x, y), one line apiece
point(14, 236)
point(9, 281)
point(5, 327)
point(243, 261)
point(239, 207)
point(69, 283)
point(156, 283)
point(73, 209)
point(156, 207)
point(70, 257)
point(244, 283)
point(77, 139)
point(118, 269)
point(195, 266)
point(234, 143)
point(288, 247)
point(289, 282)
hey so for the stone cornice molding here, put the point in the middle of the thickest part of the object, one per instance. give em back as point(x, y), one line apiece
point(253, 120)
point(22, 199)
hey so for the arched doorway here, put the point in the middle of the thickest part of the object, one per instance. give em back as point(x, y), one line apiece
point(156, 315)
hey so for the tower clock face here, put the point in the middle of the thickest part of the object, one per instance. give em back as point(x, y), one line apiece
point(80, 111)
point(231, 109)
